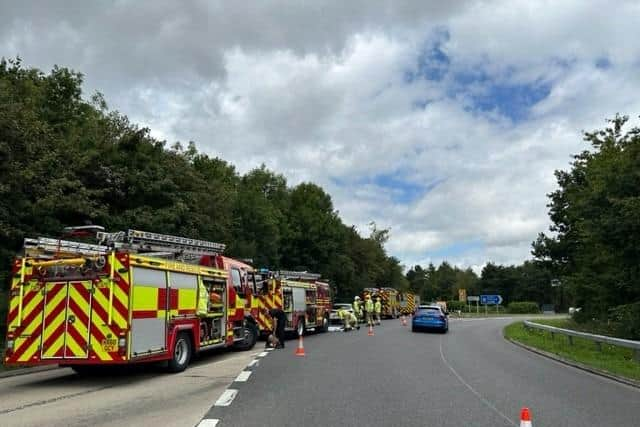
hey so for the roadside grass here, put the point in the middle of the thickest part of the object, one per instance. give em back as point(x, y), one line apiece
point(613, 359)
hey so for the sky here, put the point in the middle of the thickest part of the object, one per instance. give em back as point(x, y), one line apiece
point(442, 121)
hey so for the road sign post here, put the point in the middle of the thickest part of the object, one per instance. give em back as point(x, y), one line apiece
point(476, 299)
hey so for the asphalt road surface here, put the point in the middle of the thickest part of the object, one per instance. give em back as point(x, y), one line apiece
point(468, 377)
point(144, 396)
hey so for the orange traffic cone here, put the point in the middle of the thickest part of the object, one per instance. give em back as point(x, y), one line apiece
point(525, 418)
point(404, 320)
point(370, 333)
point(300, 349)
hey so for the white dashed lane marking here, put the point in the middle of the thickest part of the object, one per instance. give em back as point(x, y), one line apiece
point(263, 354)
point(226, 398)
point(243, 376)
point(252, 363)
point(209, 423)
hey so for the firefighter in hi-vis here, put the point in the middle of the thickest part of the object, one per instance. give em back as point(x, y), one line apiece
point(349, 319)
point(378, 310)
point(357, 308)
point(368, 308)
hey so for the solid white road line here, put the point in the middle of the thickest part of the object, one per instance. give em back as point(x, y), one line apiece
point(263, 354)
point(227, 397)
point(243, 376)
point(253, 362)
point(269, 349)
point(209, 422)
point(474, 391)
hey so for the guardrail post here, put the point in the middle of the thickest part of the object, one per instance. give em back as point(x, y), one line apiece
point(637, 354)
point(553, 336)
point(570, 339)
point(598, 346)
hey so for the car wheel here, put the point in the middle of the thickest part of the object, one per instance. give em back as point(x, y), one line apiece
point(181, 353)
point(413, 329)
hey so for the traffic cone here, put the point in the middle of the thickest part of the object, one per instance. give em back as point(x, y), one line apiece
point(370, 333)
point(525, 418)
point(300, 349)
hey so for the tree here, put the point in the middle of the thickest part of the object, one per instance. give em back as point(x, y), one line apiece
point(593, 247)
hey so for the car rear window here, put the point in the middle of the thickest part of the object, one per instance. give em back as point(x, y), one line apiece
point(429, 312)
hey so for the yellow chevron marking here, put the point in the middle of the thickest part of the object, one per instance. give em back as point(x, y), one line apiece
point(77, 349)
point(103, 301)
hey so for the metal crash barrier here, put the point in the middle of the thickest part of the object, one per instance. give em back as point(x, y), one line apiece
point(597, 339)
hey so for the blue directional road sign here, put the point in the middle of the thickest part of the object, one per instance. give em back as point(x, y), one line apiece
point(490, 299)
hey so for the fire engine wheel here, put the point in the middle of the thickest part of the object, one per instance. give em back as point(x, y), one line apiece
point(181, 353)
point(325, 324)
point(250, 337)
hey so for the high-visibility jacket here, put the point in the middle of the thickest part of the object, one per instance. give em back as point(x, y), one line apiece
point(203, 300)
point(378, 307)
point(368, 305)
point(356, 306)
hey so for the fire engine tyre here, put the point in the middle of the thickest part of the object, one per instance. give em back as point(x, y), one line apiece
point(325, 324)
point(250, 337)
point(181, 356)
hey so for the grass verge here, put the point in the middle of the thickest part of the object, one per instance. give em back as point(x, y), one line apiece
point(612, 359)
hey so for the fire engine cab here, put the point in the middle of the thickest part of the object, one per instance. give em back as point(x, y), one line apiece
point(133, 297)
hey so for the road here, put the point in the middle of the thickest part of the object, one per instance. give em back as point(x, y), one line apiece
point(468, 377)
point(144, 397)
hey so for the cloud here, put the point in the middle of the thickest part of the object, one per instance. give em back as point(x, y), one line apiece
point(443, 121)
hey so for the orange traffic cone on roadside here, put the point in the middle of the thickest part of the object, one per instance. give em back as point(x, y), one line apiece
point(525, 418)
point(404, 320)
point(370, 333)
point(300, 349)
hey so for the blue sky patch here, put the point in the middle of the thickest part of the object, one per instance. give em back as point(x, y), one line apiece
point(399, 188)
point(603, 63)
point(432, 63)
point(457, 249)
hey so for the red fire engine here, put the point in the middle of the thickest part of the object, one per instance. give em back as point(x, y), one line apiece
point(305, 300)
point(134, 297)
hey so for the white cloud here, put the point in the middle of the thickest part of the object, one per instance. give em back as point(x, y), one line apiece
point(319, 93)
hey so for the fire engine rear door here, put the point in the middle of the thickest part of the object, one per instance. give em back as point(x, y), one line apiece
point(65, 330)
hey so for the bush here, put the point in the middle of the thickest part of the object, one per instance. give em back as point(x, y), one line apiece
point(523, 307)
point(456, 305)
point(624, 321)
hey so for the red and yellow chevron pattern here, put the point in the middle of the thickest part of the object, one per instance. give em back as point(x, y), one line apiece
point(76, 319)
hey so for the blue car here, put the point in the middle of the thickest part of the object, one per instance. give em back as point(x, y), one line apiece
point(430, 318)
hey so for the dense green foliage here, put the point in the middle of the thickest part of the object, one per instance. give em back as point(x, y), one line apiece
point(530, 281)
point(593, 246)
point(67, 161)
point(523, 307)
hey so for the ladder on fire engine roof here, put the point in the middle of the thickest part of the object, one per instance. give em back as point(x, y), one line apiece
point(300, 275)
point(43, 246)
point(156, 244)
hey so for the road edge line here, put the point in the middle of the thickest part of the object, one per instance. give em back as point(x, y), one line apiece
point(575, 364)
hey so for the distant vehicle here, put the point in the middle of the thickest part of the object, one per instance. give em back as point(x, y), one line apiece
point(425, 306)
point(431, 317)
point(390, 299)
point(408, 302)
point(305, 300)
point(334, 318)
